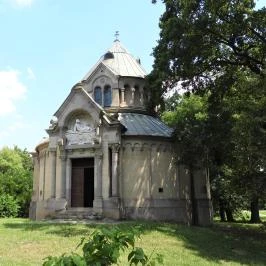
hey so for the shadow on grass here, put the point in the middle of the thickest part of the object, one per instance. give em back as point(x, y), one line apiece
point(222, 242)
point(60, 229)
point(241, 243)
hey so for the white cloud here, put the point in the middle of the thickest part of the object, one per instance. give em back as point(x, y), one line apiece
point(24, 3)
point(31, 75)
point(11, 91)
point(21, 3)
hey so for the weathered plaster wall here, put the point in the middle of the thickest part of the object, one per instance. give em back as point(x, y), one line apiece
point(147, 167)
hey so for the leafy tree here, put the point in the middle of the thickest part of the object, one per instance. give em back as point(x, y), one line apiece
point(204, 40)
point(208, 47)
point(16, 177)
point(188, 117)
point(208, 134)
point(219, 127)
point(248, 103)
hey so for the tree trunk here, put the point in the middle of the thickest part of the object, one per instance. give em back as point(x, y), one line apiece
point(222, 211)
point(194, 208)
point(254, 208)
point(229, 215)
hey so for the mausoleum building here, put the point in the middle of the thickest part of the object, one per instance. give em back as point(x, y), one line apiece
point(107, 156)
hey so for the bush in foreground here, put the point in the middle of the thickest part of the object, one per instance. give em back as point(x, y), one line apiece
point(104, 248)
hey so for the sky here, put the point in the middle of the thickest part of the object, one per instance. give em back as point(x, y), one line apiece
point(47, 46)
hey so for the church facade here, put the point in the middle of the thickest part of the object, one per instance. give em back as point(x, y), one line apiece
point(106, 156)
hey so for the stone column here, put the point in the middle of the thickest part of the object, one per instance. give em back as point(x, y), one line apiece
point(52, 155)
point(42, 187)
point(66, 187)
point(61, 182)
point(132, 96)
point(115, 150)
point(36, 175)
point(123, 103)
point(47, 176)
point(98, 200)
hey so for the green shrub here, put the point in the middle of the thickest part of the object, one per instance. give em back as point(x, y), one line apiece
point(8, 206)
point(16, 177)
point(104, 248)
point(71, 260)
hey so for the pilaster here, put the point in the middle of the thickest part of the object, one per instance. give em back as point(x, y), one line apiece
point(132, 100)
point(123, 103)
point(52, 157)
point(115, 151)
point(66, 191)
point(98, 199)
point(141, 100)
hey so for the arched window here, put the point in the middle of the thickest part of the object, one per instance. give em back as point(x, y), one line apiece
point(98, 95)
point(107, 94)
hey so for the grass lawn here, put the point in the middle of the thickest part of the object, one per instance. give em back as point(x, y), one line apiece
point(23, 242)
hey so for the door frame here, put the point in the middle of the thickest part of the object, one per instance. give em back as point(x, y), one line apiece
point(69, 179)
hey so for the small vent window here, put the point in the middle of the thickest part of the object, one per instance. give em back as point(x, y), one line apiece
point(108, 55)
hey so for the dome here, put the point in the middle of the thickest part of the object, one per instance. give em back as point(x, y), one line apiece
point(119, 61)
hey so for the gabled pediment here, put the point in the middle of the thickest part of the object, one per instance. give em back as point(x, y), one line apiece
point(79, 107)
point(99, 70)
point(78, 101)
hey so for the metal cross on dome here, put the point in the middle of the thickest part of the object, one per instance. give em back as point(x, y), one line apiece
point(116, 35)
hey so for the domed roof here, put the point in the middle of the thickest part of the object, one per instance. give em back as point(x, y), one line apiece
point(120, 62)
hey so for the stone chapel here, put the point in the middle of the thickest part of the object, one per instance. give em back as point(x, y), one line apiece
point(107, 156)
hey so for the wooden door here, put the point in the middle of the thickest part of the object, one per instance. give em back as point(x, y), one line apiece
point(77, 187)
point(82, 182)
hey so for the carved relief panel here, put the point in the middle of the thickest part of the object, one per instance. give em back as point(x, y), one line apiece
point(81, 130)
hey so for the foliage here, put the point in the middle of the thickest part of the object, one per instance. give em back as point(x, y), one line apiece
point(248, 103)
point(224, 134)
point(217, 49)
point(8, 206)
point(104, 248)
point(73, 259)
point(206, 40)
point(16, 176)
point(189, 121)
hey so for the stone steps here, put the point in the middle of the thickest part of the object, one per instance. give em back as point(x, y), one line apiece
point(73, 214)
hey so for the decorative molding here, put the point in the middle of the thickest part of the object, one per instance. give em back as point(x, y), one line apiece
point(144, 146)
point(63, 157)
point(42, 155)
point(115, 147)
point(52, 149)
point(99, 155)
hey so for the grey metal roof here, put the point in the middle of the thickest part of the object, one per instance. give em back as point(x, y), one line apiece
point(121, 63)
point(144, 125)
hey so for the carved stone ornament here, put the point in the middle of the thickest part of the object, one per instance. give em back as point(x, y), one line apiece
point(53, 123)
point(81, 133)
